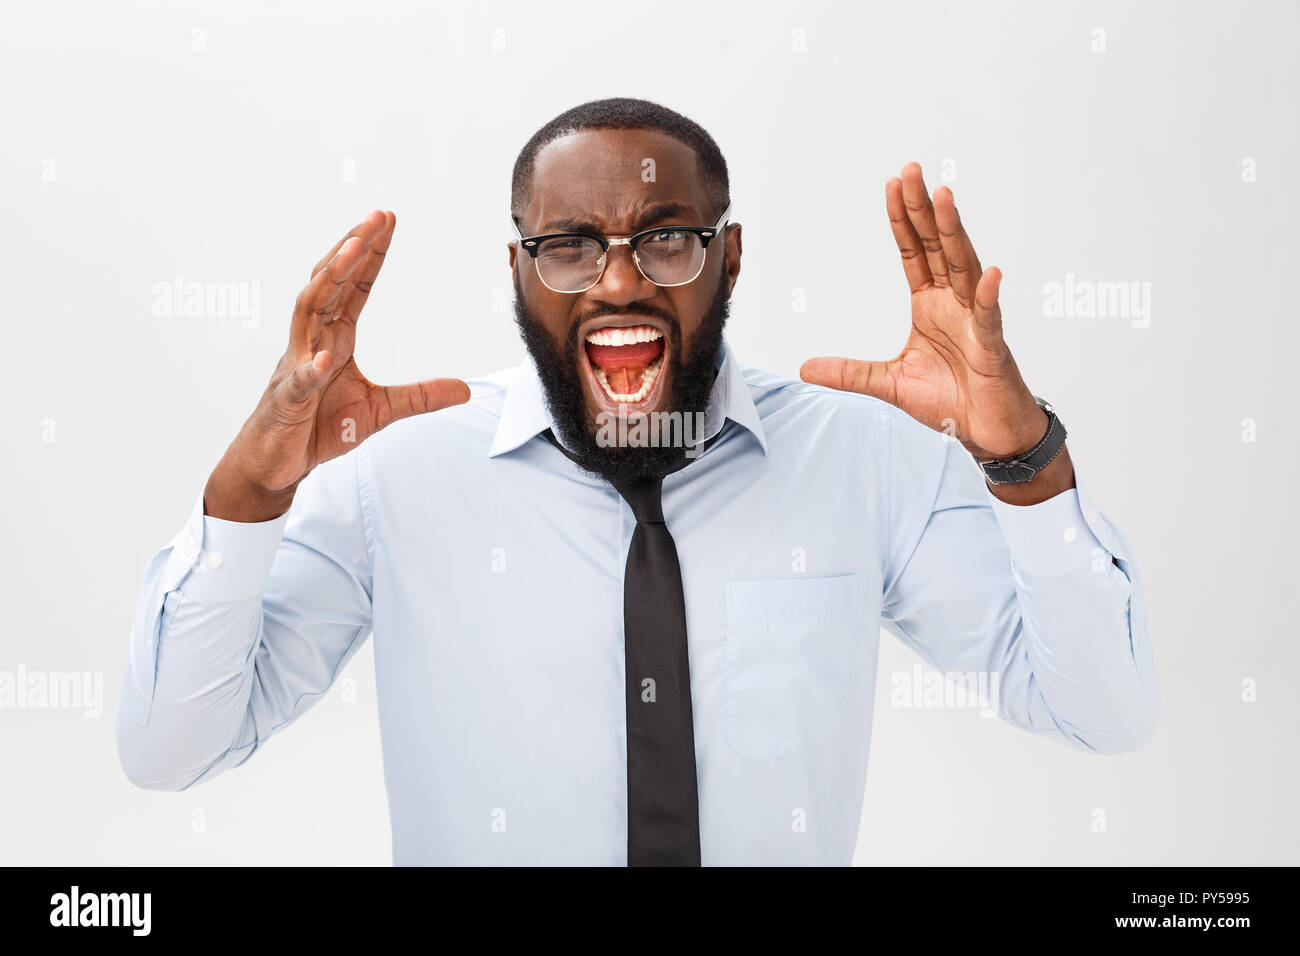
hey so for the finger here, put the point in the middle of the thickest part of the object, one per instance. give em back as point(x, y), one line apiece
point(919, 210)
point(366, 227)
point(987, 311)
point(963, 265)
point(402, 401)
point(357, 292)
point(307, 377)
point(909, 243)
point(320, 296)
point(849, 375)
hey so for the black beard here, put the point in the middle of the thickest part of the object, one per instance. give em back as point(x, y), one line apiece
point(692, 374)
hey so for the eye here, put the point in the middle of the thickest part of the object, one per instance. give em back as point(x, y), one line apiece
point(667, 236)
point(569, 248)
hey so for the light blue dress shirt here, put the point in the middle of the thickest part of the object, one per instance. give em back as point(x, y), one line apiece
point(490, 571)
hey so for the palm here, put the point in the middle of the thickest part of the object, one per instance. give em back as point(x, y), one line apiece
point(352, 408)
point(346, 415)
point(327, 424)
point(944, 371)
point(928, 376)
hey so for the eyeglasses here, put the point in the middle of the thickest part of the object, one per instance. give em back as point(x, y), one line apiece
point(666, 255)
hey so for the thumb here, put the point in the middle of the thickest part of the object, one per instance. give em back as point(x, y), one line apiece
point(307, 377)
point(849, 375)
point(402, 401)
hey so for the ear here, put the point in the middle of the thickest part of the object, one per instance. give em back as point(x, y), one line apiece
point(514, 248)
point(732, 252)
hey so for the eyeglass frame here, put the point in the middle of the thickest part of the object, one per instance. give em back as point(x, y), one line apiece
point(706, 234)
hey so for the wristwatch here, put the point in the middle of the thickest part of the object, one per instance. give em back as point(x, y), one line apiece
point(1021, 468)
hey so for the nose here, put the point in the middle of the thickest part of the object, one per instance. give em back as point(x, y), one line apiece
point(622, 281)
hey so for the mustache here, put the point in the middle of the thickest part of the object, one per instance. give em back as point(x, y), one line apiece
point(608, 308)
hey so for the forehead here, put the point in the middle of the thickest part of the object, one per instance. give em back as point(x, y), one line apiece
point(607, 177)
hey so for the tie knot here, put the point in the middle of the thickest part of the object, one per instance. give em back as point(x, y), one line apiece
point(645, 495)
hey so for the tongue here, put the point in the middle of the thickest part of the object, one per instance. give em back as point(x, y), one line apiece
point(624, 365)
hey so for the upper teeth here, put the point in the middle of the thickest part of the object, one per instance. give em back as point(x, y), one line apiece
point(637, 333)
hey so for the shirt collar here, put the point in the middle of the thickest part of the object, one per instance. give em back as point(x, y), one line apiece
point(524, 414)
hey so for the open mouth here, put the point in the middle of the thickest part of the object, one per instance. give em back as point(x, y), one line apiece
point(626, 363)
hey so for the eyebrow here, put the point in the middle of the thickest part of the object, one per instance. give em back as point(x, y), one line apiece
point(650, 214)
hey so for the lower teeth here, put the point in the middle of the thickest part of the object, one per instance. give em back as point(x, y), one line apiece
point(647, 383)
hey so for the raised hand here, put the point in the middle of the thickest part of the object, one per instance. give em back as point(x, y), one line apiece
point(955, 372)
point(318, 405)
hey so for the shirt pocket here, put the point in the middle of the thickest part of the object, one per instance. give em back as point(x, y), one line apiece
point(790, 649)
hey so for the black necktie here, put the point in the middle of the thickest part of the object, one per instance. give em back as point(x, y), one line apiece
point(663, 808)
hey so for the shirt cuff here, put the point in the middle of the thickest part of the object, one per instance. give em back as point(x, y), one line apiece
point(1054, 537)
point(230, 560)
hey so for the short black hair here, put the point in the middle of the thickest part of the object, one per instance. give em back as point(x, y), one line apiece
point(625, 113)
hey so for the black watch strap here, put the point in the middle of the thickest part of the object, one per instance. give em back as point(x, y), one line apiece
point(1021, 468)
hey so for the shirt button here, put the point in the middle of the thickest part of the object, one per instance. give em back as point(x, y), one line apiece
point(214, 560)
point(1069, 534)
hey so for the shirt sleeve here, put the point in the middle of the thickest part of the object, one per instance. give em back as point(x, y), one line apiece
point(240, 627)
point(1042, 602)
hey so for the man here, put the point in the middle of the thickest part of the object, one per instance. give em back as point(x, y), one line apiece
point(626, 597)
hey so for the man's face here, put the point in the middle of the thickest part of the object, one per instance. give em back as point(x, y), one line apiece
point(625, 346)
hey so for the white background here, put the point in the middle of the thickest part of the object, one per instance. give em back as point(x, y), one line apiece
point(135, 148)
